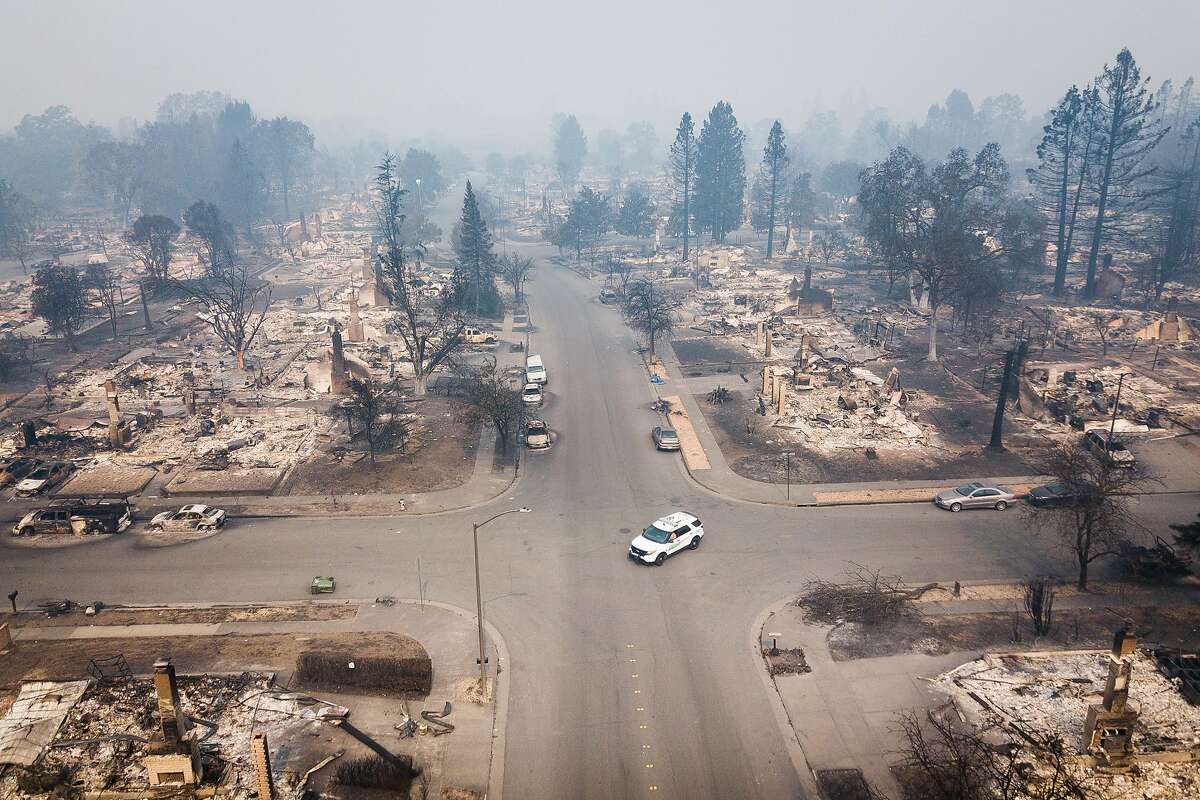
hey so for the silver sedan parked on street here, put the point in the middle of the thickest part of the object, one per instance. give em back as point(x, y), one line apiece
point(975, 495)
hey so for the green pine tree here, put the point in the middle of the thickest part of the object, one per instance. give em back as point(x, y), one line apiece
point(720, 173)
point(476, 258)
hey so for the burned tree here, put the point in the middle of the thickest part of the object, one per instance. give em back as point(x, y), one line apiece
point(1062, 174)
point(1100, 321)
point(102, 279)
point(374, 413)
point(1097, 518)
point(943, 759)
point(17, 216)
point(60, 298)
point(151, 242)
point(649, 309)
point(1039, 604)
point(234, 305)
point(492, 399)
point(936, 224)
point(865, 596)
point(829, 245)
point(429, 322)
point(515, 269)
point(1179, 213)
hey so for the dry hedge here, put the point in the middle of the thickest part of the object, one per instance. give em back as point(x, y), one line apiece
point(375, 772)
point(332, 671)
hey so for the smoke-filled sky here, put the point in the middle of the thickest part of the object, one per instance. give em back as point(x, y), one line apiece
point(479, 72)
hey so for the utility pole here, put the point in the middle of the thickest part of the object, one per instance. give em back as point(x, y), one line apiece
point(1116, 407)
point(475, 526)
point(1013, 364)
point(996, 442)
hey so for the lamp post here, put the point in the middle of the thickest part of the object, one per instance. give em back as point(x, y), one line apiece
point(787, 454)
point(419, 210)
point(478, 592)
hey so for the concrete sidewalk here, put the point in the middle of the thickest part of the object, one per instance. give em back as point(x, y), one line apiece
point(485, 484)
point(447, 633)
point(717, 476)
point(843, 712)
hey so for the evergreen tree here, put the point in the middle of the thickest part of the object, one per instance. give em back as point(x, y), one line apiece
point(570, 148)
point(1127, 129)
point(720, 172)
point(473, 246)
point(636, 217)
point(1178, 210)
point(774, 164)
point(589, 218)
point(801, 206)
point(1061, 176)
point(683, 174)
point(242, 187)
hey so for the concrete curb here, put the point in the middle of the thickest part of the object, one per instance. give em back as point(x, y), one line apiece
point(804, 770)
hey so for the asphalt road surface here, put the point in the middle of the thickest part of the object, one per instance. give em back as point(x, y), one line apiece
point(626, 681)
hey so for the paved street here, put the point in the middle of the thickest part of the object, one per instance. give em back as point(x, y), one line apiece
point(623, 678)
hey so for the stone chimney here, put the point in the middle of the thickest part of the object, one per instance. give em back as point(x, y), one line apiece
point(260, 757)
point(116, 436)
point(354, 332)
point(337, 366)
point(171, 721)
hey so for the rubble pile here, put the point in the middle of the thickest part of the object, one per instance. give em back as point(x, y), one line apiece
point(1052, 693)
point(103, 740)
point(1078, 394)
point(854, 409)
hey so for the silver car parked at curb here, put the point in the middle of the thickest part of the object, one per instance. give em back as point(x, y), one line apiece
point(975, 495)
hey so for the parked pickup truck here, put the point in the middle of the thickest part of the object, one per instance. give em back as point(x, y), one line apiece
point(77, 517)
point(477, 336)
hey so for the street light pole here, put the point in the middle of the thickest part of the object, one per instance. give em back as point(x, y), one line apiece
point(475, 526)
point(787, 454)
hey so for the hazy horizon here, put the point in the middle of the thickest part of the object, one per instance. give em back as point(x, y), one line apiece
point(495, 73)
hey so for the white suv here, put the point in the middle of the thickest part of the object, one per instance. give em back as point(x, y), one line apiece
point(666, 537)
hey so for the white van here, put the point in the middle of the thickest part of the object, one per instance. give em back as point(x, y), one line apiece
point(535, 371)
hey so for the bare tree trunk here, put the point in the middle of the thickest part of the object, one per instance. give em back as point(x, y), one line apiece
point(145, 306)
point(1102, 201)
point(933, 354)
point(422, 382)
point(240, 354)
point(687, 225)
point(771, 213)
